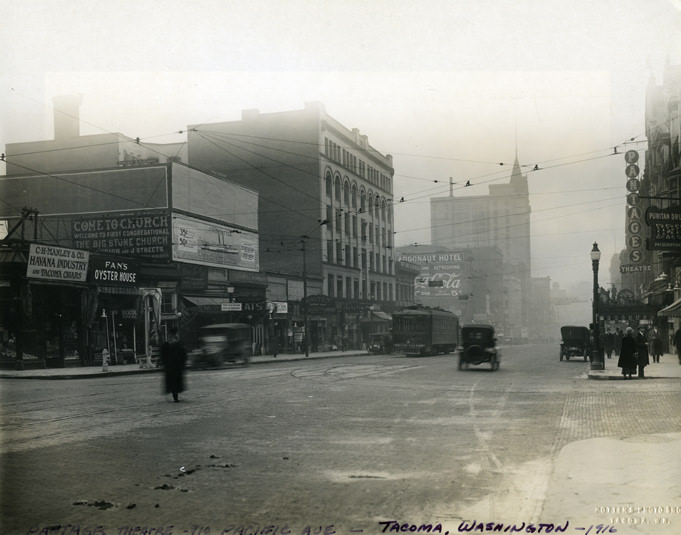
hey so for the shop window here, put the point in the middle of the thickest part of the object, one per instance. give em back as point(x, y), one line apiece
point(168, 302)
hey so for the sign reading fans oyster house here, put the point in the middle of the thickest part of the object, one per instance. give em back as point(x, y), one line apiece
point(57, 263)
point(139, 234)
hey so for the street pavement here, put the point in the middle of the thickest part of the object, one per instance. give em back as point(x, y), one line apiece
point(631, 485)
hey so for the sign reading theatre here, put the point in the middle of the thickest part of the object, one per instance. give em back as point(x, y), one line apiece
point(49, 262)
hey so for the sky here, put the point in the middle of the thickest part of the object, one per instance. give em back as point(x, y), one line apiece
point(452, 89)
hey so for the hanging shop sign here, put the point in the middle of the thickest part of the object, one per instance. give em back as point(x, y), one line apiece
point(114, 272)
point(48, 262)
point(665, 229)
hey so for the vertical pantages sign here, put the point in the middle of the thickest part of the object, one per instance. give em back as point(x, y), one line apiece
point(634, 214)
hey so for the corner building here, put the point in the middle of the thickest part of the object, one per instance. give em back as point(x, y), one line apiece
point(326, 214)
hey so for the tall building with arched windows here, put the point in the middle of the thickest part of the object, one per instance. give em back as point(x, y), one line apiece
point(499, 219)
point(325, 210)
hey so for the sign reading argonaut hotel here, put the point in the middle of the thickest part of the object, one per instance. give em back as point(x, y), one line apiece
point(131, 234)
point(50, 262)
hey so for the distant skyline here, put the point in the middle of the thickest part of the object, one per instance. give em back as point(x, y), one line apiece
point(450, 89)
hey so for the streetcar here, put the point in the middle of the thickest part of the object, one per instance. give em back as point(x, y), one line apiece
point(425, 331)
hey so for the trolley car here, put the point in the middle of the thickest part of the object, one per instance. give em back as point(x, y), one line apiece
point(423, 331)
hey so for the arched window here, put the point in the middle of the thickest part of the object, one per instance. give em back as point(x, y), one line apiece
point(328, 184)
point(338, 188)
point(346, 193)
point(363, 201)
point(354, 196)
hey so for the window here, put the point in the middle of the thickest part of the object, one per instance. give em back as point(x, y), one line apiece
point(329, 285)
point(339, 287)
point(328, 184)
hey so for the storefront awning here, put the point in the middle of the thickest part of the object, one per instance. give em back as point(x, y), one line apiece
point(673, 310)
point(204, 301)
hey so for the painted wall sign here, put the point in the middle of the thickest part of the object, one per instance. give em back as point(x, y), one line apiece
point(132, 234)
point(48, 262)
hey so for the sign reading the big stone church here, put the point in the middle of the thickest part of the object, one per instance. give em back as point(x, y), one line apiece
point(133, 234)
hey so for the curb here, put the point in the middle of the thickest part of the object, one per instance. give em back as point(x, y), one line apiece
point(114, 373)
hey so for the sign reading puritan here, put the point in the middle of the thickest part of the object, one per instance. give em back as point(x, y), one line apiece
point(109, 271)
point(134, 234)
point(665, 228)
point(57, 263)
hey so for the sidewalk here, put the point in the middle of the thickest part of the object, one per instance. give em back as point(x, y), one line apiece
point(132, 369)
point(667, 368)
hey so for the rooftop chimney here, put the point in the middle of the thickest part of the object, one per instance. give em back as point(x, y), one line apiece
point(67, 116)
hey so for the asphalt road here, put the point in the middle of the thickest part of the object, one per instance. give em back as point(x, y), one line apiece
point(310, 447)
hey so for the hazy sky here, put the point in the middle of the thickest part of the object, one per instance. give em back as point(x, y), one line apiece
point(449, 88)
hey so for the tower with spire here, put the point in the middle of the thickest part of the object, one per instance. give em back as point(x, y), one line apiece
point(498, 218)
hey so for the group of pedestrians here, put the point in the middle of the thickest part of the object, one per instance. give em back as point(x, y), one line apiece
point(636, 349)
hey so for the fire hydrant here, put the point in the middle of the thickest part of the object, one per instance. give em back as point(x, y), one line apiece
point(105, 360)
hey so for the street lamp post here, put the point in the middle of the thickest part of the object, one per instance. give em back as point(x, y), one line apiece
point(597, 361)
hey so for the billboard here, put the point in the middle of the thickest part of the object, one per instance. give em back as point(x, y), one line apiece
point(211, 244)
point(444, 278)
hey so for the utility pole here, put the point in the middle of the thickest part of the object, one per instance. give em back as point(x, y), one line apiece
point(305, 333)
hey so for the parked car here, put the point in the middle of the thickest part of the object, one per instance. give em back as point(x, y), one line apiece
point(220, 343)
point(478, 346)
point(575, 342)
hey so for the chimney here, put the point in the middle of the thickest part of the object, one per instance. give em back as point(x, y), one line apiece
point(67, 116)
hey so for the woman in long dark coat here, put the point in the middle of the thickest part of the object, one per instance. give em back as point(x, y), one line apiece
point(627, 360)
point(642, 358)
point(173, 357)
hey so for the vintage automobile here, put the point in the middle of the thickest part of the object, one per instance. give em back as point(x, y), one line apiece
point(380, 343)
point(220, 343)
point(575, 342)
point(478, 346)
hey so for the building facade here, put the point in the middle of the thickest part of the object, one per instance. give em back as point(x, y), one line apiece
point(326, 214)
point(501, 220)
point(113, 258)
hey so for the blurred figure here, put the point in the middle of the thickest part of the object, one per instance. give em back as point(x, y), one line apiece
point(627, 360)
point(174, 358)
point(642, 359)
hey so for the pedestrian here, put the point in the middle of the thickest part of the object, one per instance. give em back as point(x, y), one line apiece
point(618, 340)
point(655, 344)
point(275, 347)
point(642, 359)
point(173, 357)
point(627, 360)
point(609, 342)
point(677, 344)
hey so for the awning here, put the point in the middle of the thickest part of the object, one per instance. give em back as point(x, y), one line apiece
point(673, 310)
point(204, 301)
point(378, 315)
